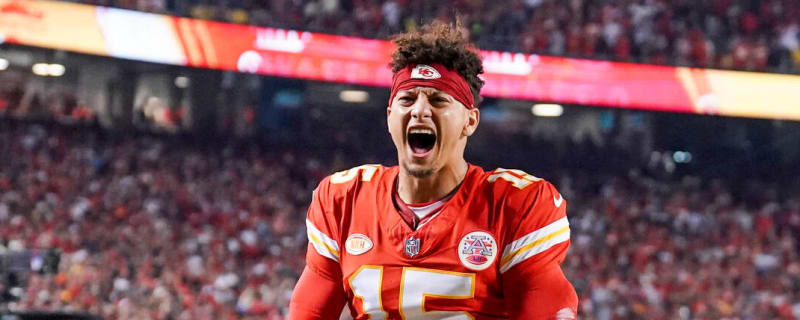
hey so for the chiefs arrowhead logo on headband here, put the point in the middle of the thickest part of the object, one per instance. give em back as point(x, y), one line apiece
point(424, 71)
point(433, 75)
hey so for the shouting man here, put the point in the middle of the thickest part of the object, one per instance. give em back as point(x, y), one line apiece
point(435, 237)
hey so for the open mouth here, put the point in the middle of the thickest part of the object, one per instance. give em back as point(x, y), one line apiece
point(421, 141)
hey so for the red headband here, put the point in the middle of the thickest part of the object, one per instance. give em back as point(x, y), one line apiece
point(436, 76)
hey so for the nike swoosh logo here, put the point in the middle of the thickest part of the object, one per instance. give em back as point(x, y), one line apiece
point(558, 200)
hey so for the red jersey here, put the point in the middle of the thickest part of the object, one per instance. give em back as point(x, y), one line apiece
point(453, 265)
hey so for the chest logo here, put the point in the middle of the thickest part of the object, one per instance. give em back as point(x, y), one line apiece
point(477, 250)
point(411, 248)
point(357, 244)
point(558, 201)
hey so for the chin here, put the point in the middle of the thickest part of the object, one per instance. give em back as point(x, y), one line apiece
point(418, 170)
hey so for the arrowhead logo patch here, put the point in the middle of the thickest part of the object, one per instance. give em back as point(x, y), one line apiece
point(424, 71)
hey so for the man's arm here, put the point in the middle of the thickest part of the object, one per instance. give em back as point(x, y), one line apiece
point(533, 284)
point(316, 296)
point(543, 295)
point(319, 293)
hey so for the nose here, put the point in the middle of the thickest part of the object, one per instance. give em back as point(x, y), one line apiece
point(421, 108)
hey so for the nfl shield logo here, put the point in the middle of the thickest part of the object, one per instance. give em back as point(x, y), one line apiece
point(412, 247)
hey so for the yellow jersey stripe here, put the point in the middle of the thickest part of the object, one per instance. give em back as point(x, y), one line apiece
point(529, 246)
point(324, 245)
point(316, 240)
point(542, 232)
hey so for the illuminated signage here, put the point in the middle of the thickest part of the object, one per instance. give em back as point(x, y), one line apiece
point(299, 54)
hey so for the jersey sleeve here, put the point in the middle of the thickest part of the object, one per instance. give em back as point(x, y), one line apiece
point(316, 297)
point(543, 295)
point(530, 263)
point(540, 237)
point(322, 229)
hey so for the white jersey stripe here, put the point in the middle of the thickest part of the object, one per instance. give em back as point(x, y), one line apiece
point(515, 246)
point(324, 245)
point(534, 241)
point(554, 239)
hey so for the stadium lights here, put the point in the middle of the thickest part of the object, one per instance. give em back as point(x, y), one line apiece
point(682, 156)
point(56, 70)
point(181, 82)
point(354, 96)
point(40, 69)
point(3, 64)
point(547, 110)
point(45, 69)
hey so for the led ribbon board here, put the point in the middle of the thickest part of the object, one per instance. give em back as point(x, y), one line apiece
point(298, 54)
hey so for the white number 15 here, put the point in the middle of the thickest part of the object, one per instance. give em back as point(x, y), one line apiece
point(416, 284)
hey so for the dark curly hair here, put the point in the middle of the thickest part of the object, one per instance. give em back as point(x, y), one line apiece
point(442, 43)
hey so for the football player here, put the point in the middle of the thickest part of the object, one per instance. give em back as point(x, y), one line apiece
point(435, 237)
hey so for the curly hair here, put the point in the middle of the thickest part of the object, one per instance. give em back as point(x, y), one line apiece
point(442, 43)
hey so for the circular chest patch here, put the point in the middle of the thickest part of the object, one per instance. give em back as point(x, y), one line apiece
point(357, 244)
point(477, 250)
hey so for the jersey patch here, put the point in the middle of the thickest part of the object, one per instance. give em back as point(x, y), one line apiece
point(411, 248)
point(357, 244)
point(477, 250)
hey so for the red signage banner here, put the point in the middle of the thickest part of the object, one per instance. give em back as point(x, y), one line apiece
point(299, 54)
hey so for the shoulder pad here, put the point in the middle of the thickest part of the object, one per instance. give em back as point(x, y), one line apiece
point(343, 181)
point(518, 188)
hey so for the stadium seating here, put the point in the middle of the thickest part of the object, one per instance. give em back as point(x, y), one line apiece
point(159, 227)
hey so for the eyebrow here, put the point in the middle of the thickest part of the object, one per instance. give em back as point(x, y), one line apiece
point(434, 93)
point(442, 95)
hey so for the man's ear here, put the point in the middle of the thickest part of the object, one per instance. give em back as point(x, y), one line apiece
point(473, 118)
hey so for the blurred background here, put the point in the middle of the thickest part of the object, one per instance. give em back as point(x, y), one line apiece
point(157, 156)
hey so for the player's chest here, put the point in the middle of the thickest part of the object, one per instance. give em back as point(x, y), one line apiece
point(463, 237)
point(450, 263)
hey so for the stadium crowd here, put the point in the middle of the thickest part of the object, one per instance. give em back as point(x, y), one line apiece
point(757, 35)
point(150, 229)
point(171, 227)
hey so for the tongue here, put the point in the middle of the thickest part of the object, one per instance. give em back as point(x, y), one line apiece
point(419, 150)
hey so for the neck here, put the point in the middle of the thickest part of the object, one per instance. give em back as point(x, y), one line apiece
point(433, 187)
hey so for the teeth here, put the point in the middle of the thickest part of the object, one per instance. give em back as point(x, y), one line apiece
point(425, 131)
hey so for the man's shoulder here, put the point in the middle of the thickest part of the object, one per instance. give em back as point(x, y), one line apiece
point(516, 188)
point(344, 182)
point(336, 192)
point(521, 200)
